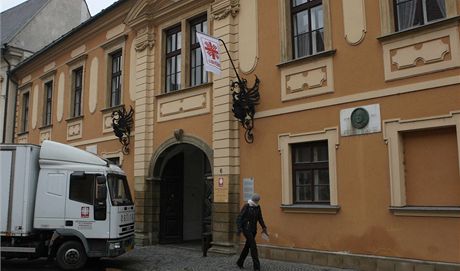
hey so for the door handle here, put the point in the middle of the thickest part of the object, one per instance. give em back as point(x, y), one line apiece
point(69, 223)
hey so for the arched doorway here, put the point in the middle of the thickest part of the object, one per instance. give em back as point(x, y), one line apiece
point(183, 171)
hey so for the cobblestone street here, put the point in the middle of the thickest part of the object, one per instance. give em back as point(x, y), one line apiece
point(166, 257)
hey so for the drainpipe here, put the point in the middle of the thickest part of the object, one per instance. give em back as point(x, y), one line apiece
point(4, 50)
point(15, 107)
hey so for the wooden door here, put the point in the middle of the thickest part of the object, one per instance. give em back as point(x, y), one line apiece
point(171, 201)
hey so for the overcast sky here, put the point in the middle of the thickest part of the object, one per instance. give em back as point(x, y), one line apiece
point(94, 5)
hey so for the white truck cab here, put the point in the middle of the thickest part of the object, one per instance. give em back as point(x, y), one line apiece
point(60, 201)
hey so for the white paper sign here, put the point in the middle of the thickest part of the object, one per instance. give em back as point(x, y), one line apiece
point(248, 188)
point(210, 52)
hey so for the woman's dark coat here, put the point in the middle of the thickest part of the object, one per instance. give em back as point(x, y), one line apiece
point(248, 217)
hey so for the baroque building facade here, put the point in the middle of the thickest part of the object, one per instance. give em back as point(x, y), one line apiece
point(22, 35)
point(356, 136)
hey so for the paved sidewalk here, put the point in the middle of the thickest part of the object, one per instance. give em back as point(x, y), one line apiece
point(178, 258)
point(167, 257)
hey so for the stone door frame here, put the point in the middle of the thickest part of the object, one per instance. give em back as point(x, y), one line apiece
point(155, 176)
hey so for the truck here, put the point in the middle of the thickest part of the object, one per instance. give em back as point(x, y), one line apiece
point(64, 203)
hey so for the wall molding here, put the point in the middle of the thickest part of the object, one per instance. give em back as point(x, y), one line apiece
point(421, 53)
point(354, 21)
point(221, 10)
point(443, 82)
point(182, 104)
point(93, 141)
point(392, 130)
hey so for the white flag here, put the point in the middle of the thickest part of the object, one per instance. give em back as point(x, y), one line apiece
point(210, 52)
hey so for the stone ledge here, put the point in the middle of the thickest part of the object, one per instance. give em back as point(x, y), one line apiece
point(348, 260)
point(310, 208)
point(426, 211)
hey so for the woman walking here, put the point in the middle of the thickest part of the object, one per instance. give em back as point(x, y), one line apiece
point(247, 223)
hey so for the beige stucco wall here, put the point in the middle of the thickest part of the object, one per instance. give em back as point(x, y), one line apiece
point(431, 167)
point(354, 75)
point(82, 48)
point(364, 223)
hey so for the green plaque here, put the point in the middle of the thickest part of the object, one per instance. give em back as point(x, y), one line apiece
point(359, 118)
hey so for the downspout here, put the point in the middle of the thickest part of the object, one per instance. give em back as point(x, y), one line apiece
point(4, 50)
point(15, 107)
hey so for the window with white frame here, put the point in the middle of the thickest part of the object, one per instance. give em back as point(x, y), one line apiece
point(410, 13)
point(48, 103)
point(307, 27)
point(399, 15)
point(183, 64)
point(114, 61)
point(114, 160)
point(308, 167)
point(310, 172)
point(77, 77)
point(115, 78)
point(25, 112)
point(198, 75)
point(173, 58)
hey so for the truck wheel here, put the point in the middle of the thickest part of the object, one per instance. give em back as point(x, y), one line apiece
point(71, 255)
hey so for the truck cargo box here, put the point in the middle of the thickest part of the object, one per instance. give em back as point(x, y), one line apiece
point(19, 170)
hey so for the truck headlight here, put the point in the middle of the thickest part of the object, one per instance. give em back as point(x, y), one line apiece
point(113, 246)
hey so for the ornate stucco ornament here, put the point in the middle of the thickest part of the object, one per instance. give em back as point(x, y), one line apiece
point(145, 38)
point(223, 11)
point(179, 134)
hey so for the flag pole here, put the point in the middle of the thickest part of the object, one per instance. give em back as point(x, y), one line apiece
point(231, 61)
point(244, 98)
point(244, 101)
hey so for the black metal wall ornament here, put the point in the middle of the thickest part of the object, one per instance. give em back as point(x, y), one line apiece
point(244, 101)
point(122, 123)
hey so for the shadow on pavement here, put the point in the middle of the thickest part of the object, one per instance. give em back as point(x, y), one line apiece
point(44, 264)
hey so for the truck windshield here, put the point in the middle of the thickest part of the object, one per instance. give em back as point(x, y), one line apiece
point(119, 190)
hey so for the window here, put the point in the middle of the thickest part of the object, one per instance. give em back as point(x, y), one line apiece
point(77, 91)
point(430, 160)
point(119, 190)
point(115, 79)
point(307, 27)
point(82, 188)
point(437, 137)
point(25, 111)
point(48, 103)
point(409, 13)
point(310, 172)
point(197, 73)
point(114, 160)
point(173, 59)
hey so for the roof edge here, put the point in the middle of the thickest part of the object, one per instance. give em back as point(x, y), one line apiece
point(8, 39)
point(68, 34)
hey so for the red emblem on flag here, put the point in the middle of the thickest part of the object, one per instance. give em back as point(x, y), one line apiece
point(210, 52)
point(211, 49)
